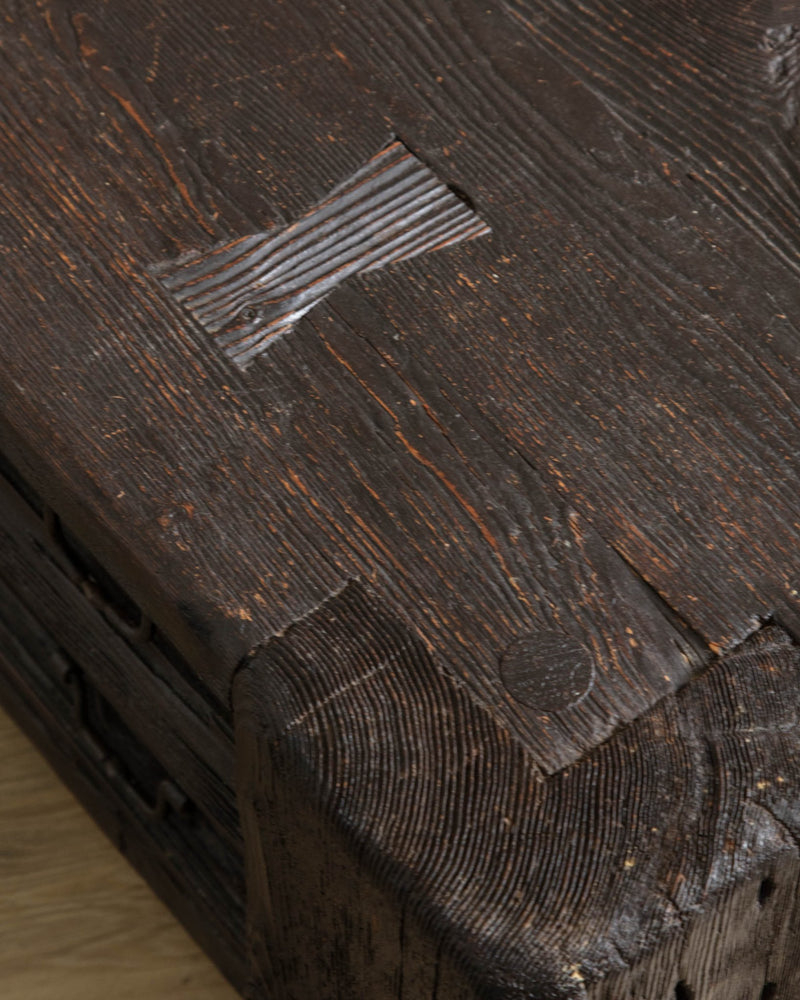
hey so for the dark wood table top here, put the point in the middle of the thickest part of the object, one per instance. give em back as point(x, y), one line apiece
point(566, 432)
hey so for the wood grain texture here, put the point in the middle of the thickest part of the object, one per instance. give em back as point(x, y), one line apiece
point(533, 888)
point(77, 922)
point(182, 858)
point(744, 947)
point(357, 473)
point(256, 289)
point(603, 396)
point(721, 97)
point(578, 434)
point(169, 717)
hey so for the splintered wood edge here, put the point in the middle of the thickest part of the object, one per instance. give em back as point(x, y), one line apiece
point(533, 885)
point(250, 291)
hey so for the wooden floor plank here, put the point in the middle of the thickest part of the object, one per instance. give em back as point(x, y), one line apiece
point(76, 921)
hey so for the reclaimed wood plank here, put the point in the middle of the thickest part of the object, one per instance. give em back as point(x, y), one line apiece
point(357, 752)
point(573, 439)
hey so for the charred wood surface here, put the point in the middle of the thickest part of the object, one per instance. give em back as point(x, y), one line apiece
point(554, 468)
point(668, 839)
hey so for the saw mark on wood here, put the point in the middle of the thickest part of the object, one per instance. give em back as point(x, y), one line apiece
point(252, 290)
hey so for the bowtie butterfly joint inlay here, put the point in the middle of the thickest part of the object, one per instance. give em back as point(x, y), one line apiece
point(250, 291)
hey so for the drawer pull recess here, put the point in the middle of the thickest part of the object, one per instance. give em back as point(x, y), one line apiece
point(139, 631)
point(168, 797)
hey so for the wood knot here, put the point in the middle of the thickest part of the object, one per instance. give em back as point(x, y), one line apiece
point(547, 671)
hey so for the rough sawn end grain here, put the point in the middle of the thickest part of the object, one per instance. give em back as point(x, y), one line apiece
point(535, 888)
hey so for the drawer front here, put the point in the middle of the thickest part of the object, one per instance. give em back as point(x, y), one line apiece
point(143, 808)
point(114, 664)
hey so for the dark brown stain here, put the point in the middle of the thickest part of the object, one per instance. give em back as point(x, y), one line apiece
point(583, 426)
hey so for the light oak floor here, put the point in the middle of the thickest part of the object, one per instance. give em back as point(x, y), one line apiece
point(76, 921)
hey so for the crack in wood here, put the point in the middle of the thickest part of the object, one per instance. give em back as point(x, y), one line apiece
point(781, 45)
